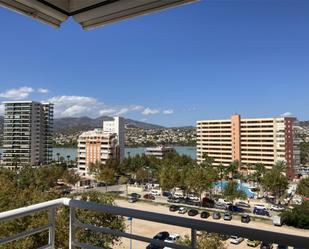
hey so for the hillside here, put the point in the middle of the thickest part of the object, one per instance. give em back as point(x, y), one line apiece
point(71, 125)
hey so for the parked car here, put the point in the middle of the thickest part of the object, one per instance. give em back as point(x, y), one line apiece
point(173, 238)
point(253, 243)
point(160, 236)
point(207, 202)
point(235, 209)
point(182, 210)
point(243, 204)
point(136, 195)
point(178, 195)
point(193, 197)
point(155, 192)
point(245, 218)
point(236, 240)
point(277, 208)
point(227, 216)
point(174, 208)
point(266, 245)
point(220, 206)
point(173, 200)
point(205, 214)
point(261, 211)
point(216, 216)
point(132, 199)
point(192, 212)
point(149, 197)
point(166, 194)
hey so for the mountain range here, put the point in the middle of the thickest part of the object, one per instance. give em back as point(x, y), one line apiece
point(69, 125)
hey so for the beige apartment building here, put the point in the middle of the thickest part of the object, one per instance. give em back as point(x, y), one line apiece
point(250, 141)
point(99, 145)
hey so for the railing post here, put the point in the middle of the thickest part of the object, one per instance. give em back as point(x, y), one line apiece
point(72, 228)
point(193, 239)
point(52, 229)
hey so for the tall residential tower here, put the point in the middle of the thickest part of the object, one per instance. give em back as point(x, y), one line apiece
point(28, 131)
point(249, 141)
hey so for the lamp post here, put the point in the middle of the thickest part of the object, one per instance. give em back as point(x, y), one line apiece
point(130, 219)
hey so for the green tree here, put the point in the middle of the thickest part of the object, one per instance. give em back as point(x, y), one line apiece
point(231, 192)
point(13, 195)
point(103, 173)
point(200, 179)
point(274, 182)
point(205, 241)
point(70, 177)
point(142, 175)
point(298, 216)
point(259, 171)
point(232, 169)
point(280, 166)
point(123, 180)
point(304, 153)
point(303, 187)
point(170, 177)
point(207, 161)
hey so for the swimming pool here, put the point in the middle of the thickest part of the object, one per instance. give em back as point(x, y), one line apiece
point(241, 186)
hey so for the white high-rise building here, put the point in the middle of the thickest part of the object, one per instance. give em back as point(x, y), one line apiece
point(116, 126)
point(28, 130)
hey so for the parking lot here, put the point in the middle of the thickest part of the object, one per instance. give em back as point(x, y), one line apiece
point(149, 229)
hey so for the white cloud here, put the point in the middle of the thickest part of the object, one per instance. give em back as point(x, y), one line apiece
point(167, 112)
point(149, 111)
point(42, 90)
point(17, 93)
point(77, 106)
point(1, 109)
point(74, 106)
point(107, 111)
point(286, 114)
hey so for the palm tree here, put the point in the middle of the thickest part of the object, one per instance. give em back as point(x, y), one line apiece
point(280, 166)
point(232, 169)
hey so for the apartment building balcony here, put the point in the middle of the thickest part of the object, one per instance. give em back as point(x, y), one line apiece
point(192, 224)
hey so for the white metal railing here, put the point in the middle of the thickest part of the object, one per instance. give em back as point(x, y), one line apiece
point(193, 224)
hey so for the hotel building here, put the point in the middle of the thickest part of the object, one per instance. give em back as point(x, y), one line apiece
point(28, 131)
point(159, 151)
point(99, 145)
point(250, 141)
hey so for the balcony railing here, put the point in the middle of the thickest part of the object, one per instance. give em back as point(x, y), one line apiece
point(193, 224)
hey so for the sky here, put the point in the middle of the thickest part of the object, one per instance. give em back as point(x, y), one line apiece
point(205, 60)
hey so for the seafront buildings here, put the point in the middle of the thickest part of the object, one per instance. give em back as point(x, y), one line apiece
point(28, 131)
point(159, 151)
point(99, 145)
point(249, 141)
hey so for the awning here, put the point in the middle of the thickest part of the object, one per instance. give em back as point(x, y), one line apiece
point(88, 13)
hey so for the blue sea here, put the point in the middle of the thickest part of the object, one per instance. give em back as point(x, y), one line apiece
point(183, 150)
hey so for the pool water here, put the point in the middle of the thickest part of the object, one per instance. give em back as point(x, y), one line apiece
point(241, 186)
